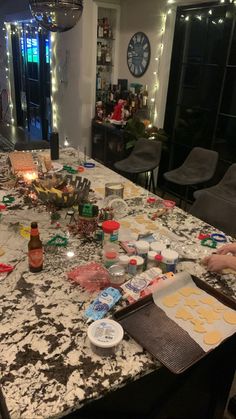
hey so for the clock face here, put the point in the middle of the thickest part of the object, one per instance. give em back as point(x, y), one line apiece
point(138, 54)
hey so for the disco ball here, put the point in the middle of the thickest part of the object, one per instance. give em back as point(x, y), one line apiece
point(56, 15)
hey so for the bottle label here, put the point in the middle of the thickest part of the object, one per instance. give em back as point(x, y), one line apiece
point(35, 258)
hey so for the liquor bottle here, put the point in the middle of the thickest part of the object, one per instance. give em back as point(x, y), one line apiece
point(108, 55)
point(100, 28)
point(105, 27)
point(99, 81)
point(145, 97)
point(35, 250)
point(99, 53)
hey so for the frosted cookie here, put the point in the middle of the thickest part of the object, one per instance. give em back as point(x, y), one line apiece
point(187, 291)
point(171, 300)
point(212, 338)
point(230, 317)
point(183, 314)
point(191, 302)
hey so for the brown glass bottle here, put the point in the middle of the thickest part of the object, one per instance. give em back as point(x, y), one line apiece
point(35, 250)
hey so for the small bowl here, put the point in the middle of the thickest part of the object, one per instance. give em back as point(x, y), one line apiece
point(105, 336)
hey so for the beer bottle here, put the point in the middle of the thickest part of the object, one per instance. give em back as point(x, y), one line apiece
point(35, 248)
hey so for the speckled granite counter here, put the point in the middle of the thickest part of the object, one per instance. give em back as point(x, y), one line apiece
point(46, 364)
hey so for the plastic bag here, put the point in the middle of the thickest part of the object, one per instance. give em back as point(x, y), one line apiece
point(91, 276)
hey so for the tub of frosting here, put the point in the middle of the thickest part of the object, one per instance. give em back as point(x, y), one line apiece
point(105, 336)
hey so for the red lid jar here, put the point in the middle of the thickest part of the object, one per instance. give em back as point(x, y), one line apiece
point(110, 231)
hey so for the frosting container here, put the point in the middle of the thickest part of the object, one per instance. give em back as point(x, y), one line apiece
point(105, 336)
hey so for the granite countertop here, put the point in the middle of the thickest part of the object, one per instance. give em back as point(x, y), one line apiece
point(46, 364)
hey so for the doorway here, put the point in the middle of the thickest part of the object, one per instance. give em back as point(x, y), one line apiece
point(31, 62)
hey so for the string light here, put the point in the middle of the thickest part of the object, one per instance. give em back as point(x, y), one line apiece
point(54, 82)
point(7, 29)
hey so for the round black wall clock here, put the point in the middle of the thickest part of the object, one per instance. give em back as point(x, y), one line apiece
point(138, 54)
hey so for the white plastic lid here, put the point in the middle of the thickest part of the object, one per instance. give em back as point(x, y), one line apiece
point(142, 246)
point(124, 259)
point(139, 260)
point(169, 256)
point(151, 255)
point(158, 247)
point(105, 333)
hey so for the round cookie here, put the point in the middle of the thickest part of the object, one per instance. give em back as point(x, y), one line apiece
point(230, 317)
point(212, 338)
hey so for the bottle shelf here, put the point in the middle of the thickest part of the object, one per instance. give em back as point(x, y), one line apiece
point(105, 39)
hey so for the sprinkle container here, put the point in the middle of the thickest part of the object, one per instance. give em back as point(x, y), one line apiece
point(105, 336)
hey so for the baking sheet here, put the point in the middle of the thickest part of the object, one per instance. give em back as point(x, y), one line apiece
point(162, 337)
point(170, 288)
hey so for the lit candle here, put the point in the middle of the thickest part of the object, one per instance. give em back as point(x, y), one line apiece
point(29, 177)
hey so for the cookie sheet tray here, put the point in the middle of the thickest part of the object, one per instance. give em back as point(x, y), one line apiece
point(160, 335)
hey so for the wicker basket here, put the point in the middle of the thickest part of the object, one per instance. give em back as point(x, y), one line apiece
point(66, 199)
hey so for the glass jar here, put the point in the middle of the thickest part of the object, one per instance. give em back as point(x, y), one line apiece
point(110, 254)
point(110, 231)
point(151, 262)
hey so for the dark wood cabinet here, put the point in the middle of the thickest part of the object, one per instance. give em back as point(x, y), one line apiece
point(108, 143)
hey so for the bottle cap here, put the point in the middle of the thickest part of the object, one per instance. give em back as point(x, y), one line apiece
point(111, 255)
point(170, 256)
point(139, 260)
point(124, 259)
point(152, 255)
point(158, 247)
point(142, 246)
point(158, 258)
point(110, 226)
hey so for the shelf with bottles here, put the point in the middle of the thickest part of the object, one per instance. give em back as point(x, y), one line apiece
point(104, 54)
point(104, 28)
point(99, 38)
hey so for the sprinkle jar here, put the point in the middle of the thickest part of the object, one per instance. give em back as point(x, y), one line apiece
point(105, 336)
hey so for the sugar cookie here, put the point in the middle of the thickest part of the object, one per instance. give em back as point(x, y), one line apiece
point(183, 314)
point(207, 300)
point(187, 291)
point(198, 326)
point(171, 300)
point(212, 338)
point(218, 308)
point(230, 317)
point(209, 315)
point(191, 302)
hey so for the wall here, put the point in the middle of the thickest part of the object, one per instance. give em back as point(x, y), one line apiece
point(151, 18)
point(76, 96)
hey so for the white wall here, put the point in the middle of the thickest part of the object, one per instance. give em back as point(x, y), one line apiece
point(151, 17)
point(76, 98)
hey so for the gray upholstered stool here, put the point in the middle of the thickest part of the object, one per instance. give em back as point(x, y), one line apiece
point(144, 158)
point(198, 167)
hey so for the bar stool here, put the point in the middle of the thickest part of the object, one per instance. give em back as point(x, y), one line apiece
point(216, 211)
point(226, 188)
point(198, 167)
point(144, 158)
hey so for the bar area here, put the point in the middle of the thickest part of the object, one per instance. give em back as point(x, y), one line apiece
point(117, 209)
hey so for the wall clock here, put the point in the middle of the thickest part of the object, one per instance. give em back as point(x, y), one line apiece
point(138, 54)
